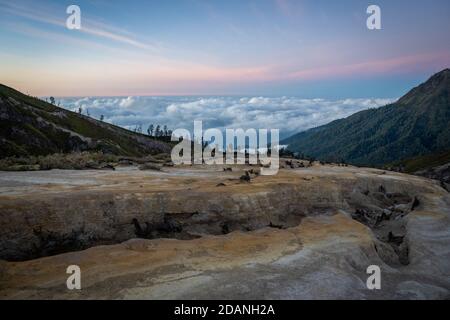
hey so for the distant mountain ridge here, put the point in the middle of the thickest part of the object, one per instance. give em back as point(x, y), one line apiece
point(417, 124)
point(30, 126)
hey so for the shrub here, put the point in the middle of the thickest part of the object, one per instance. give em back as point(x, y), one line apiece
point(150, 166)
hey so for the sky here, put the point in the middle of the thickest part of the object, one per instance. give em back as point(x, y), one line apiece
point(252, 48)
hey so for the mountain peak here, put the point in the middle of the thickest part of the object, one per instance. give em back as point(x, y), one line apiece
point(440, 77)
point(415, 125)
point(437, 84)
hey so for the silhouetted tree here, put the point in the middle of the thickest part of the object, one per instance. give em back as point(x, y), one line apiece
point(80, 110)
point(150, 130)
point(165, 130)
point(102, 117)
point(158, 131)
point(52, 100)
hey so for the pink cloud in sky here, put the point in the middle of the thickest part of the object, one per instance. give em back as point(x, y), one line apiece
point(167, 77)
point(397, 64)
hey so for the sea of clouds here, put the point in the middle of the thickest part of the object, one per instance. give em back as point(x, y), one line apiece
point(289, 114)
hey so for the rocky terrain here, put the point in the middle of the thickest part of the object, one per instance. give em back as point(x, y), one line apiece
point(205, 232)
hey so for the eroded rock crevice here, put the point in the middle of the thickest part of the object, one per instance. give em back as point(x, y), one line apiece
point(170, 227)
point(49, 226)
point(385, 213)
point(48, 243)
point(186, 226)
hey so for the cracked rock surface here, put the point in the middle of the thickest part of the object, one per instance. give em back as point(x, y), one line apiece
point(203, 233)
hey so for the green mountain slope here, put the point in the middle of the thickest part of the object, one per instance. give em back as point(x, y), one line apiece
point(422, 163)
point(417, 124)
point(434, 166)
point(29, 126)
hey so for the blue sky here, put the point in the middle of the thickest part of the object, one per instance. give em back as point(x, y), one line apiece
point(205, 47)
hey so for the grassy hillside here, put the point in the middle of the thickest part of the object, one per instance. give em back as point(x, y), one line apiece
point(417, 124)
point(30, 126)
point(423, 163)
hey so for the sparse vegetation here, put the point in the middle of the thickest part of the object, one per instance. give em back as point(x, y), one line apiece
point(150, 166)
point(163, 134)
point(82, 160)
point(421, 163)
point(32, 127)
point(77, 161)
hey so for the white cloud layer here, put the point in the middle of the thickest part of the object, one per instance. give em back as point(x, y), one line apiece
point(289, 114)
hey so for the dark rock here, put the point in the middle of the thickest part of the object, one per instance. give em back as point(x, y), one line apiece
point(245, 178)
point(415, 203)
